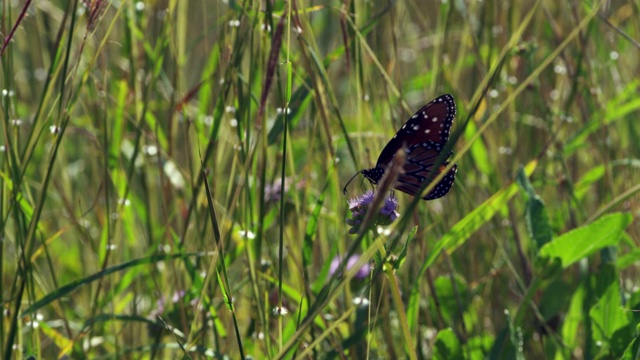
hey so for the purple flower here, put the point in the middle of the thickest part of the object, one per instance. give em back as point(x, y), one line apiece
point(361, 201)
point(389, 208)
point(362, 273)
point(360, 205)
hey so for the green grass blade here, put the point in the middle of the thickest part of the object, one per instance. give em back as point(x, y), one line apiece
point(66, 289)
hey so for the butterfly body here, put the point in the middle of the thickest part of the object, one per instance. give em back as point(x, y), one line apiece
point(423, 138)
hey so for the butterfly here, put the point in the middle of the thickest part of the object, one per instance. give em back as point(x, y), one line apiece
point(423, 138)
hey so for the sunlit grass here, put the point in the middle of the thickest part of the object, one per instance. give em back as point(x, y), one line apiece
point(172, 176)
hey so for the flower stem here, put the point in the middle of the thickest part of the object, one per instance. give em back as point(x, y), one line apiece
point(395, 294)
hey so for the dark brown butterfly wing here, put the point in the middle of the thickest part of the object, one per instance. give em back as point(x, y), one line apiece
point(443, 187)
point(420, 167)
point(431, 123)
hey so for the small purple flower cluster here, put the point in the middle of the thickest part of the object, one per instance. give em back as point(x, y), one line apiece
point(360, 205)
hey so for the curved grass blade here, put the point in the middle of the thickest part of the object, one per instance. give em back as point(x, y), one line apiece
point(66, 289)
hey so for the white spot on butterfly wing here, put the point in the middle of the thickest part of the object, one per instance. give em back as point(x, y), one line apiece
point(416, 127)
point(427, 131)
point(435, 118)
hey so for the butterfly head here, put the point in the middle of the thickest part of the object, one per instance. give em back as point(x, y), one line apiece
point(374, 174)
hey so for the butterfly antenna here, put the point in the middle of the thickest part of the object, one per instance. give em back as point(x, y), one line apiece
point(344, 191)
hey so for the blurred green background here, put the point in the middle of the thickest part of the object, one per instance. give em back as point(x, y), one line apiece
point(146, 146)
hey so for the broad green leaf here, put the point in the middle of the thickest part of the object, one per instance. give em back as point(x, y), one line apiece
point(536, 216)
point(573, 320)
point(607, 315)
point(584, 241)
point(537, 221)
point(621, 338)
point(632, 352)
